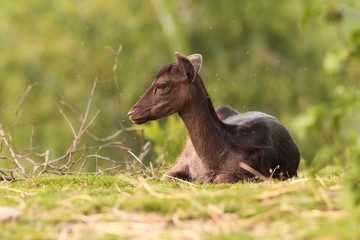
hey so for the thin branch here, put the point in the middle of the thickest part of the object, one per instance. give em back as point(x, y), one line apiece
point(82, 126)
point(71, 108)
point(109, 145)
point(115, 68)
point(116, 134)
point(181, 180)
point(111, 168)
point(22, 101)
point(67, 120)
point(48, 165)
point(252, 170)
point(137, 159)
point(14, 158)
point(32, 137)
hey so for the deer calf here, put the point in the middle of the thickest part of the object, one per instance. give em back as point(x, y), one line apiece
point(221, 141)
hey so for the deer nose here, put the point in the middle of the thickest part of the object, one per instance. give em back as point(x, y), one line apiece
point(131, 112)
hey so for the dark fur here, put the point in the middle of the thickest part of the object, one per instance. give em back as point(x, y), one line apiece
point(219, 140)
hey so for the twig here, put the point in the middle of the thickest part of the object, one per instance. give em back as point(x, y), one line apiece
point(22, 101)
point(32, 136)
point(111, 168)
point(273, 172)
point(48, 165)
point(71, 173)
point(82, 130)
point(103, 158)
point(82, 165)
point(253, 171)
point(109, 145)
point(82, 126)
point(26, 194)
point(4, 176)
point(114, 70)
point(145, 150)
point(181, 180)
point(67, 120)
point(14, 158)
point(45, 165)
point(136, 158)
point(116, 134)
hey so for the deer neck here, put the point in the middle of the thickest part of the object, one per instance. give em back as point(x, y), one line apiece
point(206, 130)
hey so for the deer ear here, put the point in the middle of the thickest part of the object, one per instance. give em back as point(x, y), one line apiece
point(187, 69)
point(196, 60)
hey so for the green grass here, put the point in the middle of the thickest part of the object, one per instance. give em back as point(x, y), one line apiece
point(119, 207)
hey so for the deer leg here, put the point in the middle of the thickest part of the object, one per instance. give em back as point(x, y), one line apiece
point(226, 178)
point(182, 174)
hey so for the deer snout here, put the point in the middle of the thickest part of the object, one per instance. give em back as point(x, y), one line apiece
point(139, 115)
point(131, 112)
point(136, 116)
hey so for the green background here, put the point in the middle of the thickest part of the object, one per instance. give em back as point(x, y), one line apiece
point(297, 60)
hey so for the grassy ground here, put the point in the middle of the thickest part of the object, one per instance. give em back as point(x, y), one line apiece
point(119, 207)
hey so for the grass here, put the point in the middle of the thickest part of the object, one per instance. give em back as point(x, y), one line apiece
point(119, 207)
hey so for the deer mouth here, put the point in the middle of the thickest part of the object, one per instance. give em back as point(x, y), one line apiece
point(139, 120)
point(135, 118)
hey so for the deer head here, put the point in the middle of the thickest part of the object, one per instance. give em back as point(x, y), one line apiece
point(169, 92)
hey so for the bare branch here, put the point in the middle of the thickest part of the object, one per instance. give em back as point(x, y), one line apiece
point(14, 158)
point(76, 156)
point(67, 120)
point(137, 159)
point(82, 126)
point(116, 134)
point(115, 68)
point(22, 100)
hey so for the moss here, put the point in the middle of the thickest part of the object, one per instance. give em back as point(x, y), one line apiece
point(303, 207)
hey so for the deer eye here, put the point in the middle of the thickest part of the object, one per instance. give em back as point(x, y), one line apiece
point(161, 85)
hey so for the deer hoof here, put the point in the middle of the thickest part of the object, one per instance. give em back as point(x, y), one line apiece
point(176, 175)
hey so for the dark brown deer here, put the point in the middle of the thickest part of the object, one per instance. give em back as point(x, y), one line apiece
point(221, 141)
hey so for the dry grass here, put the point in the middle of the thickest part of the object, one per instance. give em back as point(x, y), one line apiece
point(136, 205)
point(113, 207)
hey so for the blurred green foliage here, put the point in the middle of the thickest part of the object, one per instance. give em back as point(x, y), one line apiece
point(168, 136)
point(297, 60)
